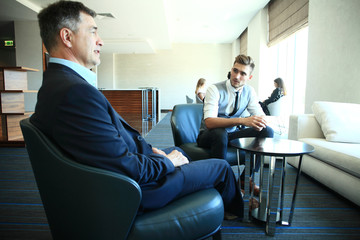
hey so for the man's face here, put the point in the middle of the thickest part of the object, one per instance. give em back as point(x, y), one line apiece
point(239, 75)
point(87, 43)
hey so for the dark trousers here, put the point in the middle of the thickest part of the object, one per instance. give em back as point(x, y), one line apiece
point(265, 108)
point(192, 177)
point(217, 139)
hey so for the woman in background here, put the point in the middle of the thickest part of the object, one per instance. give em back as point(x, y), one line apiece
point(279, 91)
point(200, 90)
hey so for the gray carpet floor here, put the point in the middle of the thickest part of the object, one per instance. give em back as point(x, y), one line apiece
point(319, 214)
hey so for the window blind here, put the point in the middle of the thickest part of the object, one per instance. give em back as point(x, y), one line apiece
point(286, 17)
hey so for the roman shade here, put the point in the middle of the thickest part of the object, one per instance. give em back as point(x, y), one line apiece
point(285, 18)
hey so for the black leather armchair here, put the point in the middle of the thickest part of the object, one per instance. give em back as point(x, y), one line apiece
point(185, 124)
point(83, 202)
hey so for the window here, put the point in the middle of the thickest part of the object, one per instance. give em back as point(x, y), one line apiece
point(289, 61)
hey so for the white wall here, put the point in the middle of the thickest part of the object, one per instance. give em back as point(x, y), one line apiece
point(174, 71)
point(253, 49)
point(29, 54)
point(334, 50)
point(105, 71)
point(257, 48)
point(235, 48)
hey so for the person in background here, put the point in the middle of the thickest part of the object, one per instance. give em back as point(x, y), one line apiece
point(200, 90)
point(81, 121)
point(279, 91)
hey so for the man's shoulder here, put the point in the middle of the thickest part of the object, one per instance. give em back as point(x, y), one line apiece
point(59, 69)
point(248, 88)
point(61, 81)
point(62, 75)
point(219, 86)
point(220, 83)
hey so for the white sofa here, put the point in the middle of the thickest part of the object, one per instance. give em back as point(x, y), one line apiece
point(333, 129)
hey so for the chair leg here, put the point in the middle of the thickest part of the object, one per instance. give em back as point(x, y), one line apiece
point(217, 235)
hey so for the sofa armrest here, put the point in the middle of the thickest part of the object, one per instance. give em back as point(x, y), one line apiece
point(304, 126)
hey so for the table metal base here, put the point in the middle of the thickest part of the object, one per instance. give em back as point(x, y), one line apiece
point(271, 197)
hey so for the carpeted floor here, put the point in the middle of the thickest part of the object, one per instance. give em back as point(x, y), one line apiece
point(160, 136)
point(319, 213)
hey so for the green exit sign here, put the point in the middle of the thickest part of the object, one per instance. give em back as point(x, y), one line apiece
point(9, 43)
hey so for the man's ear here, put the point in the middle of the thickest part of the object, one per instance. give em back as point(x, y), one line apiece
point(66, 37)
point(250, 77)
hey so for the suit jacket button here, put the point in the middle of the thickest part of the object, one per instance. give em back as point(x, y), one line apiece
point(139, 138)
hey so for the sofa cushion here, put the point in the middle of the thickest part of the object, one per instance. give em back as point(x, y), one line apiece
point(344, 156)
point(338, 121)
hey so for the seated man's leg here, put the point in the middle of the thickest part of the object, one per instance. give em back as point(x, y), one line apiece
point(266, 132)
point(264, 108)
point(214, 173)
point(216, 139)
point(250, 132)
point(193, 177)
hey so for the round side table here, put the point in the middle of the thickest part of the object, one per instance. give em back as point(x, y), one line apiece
point(277, 149)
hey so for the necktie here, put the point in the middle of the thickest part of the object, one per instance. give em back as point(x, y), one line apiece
point(236, 107)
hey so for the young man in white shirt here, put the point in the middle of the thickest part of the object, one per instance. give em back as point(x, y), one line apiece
point(227, 107)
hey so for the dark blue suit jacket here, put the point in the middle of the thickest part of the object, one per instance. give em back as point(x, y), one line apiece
point(82, 122)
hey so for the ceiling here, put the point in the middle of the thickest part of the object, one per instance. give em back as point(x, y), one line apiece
point(145, 26)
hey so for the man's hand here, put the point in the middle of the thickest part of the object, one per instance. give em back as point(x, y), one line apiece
point(176, 157)
point(256, 122)
point(158, 151)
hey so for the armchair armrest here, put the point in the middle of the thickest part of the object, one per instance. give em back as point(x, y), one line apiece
point(304, 126)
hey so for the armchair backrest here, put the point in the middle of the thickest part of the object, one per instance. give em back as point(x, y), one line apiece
point(279, 107)
point(81, 202)
point(198, 99)
point(189, 100)
point(185, 122)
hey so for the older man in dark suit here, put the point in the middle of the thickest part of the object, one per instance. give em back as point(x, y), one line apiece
point(82, 122)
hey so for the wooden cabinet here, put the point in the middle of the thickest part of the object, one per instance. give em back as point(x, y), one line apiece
point(142, 103)
point(13, 85)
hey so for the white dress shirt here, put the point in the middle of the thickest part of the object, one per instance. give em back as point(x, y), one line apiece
point(211, 103)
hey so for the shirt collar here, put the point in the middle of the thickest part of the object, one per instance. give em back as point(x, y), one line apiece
point(85, 73)
point(232, 89)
